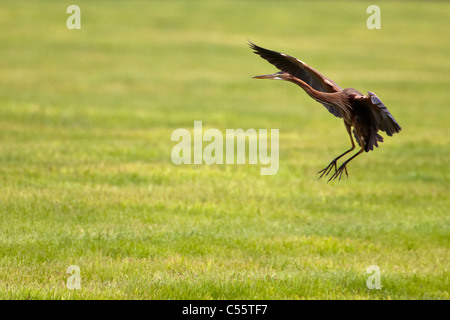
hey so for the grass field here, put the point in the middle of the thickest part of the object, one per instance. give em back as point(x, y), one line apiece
point(86, 176)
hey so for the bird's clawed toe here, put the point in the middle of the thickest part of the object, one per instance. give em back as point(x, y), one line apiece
point(339, 172)
point(327, 170)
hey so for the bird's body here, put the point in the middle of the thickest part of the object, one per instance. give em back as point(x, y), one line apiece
point(365, 113)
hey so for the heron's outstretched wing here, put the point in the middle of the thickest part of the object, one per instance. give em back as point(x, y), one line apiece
point(297, 68)
point(300, 70)
point(384, 119)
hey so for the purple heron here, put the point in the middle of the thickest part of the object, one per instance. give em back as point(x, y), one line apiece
point(365, 113)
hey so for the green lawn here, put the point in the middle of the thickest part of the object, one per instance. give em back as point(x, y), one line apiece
point(86, 176)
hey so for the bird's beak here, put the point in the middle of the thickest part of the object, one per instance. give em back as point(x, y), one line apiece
point(274, 76)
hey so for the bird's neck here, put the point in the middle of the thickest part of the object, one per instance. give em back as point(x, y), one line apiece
point(322, 97)
point(333, 99)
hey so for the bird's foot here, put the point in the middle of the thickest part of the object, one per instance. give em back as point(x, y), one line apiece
point(338, 173)
point(328, 169)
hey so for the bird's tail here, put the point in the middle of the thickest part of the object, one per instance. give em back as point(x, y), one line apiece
point(373, 140)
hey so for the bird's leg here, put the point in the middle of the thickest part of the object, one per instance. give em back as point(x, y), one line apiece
point(333, 163)
point(343, 166)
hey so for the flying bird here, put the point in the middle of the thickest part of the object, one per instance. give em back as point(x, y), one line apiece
point(366, 114)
